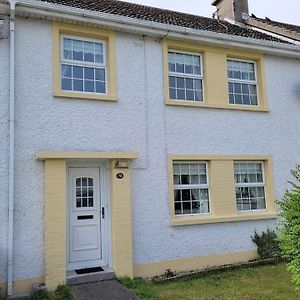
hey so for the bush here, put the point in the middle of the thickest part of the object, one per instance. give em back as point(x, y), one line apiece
point(290, 226)
point(62, 292)
point(267, 244)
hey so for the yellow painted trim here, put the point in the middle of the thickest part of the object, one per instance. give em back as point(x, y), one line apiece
point(121, 222)
point(215, 81)
point(43, 155)
point(55, 235)
point(180, 221)
point(23, 287)
point(88, 32)
point(192, 263)
point(222, 190)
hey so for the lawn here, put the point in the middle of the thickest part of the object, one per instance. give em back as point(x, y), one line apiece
point(264, 282)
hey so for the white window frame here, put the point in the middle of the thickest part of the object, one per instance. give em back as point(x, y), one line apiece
point(185, 75)
point(83, 63)
point(245, 81)
point(192, 186)
point(252, 184)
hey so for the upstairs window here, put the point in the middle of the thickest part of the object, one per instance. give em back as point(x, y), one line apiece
point(185, 76)
point(249, 186)
point(191, 189)
point(83, 65)
point(242, 82)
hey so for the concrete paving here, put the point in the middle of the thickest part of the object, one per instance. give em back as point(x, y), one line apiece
point(102, 290)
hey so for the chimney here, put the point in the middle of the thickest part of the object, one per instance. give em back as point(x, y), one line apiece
point(236, 10)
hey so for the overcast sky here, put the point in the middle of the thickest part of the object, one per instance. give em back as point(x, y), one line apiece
point(281, 10)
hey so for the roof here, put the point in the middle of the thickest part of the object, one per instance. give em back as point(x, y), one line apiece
point(286, 26)
point(164, 16)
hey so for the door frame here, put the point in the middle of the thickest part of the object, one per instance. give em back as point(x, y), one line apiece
point(105, 229)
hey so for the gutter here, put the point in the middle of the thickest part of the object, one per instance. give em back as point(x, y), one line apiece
point(57, 12)
point(10, 250)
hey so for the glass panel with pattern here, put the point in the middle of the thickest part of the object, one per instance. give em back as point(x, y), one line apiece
point(83, 66)
point(185, 76)
point(250, 186)
point(242, 83)
point(191, 191)
point(84, 192)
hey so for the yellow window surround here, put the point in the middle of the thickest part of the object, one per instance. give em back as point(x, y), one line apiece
point(108, 36)
point(222, 190)
point(215, 79)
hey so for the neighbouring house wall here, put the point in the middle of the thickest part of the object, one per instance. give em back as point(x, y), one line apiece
point(4, 96)
point(140, 122)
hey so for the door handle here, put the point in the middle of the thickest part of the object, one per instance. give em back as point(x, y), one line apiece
point(102, 212)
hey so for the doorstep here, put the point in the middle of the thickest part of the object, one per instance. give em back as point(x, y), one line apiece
point(74, 278)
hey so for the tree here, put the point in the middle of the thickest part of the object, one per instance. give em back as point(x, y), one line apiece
point(289, 238)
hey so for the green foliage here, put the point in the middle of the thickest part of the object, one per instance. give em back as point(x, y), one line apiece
point(62, 292)
point(290, 226)
point(267, 244)
point(40, 295)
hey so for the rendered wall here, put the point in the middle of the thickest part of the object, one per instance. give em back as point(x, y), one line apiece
point(138, 122)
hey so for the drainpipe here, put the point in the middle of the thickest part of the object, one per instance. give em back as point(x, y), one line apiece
point(10, 250)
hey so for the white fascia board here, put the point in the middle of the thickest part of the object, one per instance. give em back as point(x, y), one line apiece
point(70, 14)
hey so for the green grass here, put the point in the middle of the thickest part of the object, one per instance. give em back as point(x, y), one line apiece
point(264, 282)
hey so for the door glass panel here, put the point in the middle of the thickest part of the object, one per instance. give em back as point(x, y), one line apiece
point(84, 192)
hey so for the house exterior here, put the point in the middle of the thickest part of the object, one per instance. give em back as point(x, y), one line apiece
point(138, 139)
point(288, 31)
point(237, 12)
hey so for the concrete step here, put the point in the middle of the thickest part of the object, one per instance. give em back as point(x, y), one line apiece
point(73, 278)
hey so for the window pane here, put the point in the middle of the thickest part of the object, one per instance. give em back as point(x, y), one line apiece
point(190, 95)
point(67, 48)
point(239, 92)
point(185, 86)
point(89, 52)
point(66, 84)
point(100, 74)
point(88, 86)
point(100, 87)
point(77, 72)
point(194, 198)
point(78, 85)
point(66, 71)
point(172, 82)
point(83, 79)
point(181, 94)
point(89, 73)
point(77, 50)
point(248, 195)
point(172, 93)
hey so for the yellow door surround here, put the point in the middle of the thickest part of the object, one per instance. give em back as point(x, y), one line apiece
point(55, 233)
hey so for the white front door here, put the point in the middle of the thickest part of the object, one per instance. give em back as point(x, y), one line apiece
point(85, 218)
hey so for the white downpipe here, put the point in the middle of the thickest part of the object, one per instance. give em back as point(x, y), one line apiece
point(10, 249)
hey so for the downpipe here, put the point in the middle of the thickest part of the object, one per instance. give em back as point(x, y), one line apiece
point(10, 250)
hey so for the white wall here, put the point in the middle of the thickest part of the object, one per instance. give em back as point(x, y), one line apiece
point(135, 121)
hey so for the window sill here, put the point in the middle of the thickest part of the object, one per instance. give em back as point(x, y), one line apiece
point(219, 106)
point(193, 220)
point(74, 95)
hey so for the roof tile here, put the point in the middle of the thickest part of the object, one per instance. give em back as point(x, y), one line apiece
point(164, 16)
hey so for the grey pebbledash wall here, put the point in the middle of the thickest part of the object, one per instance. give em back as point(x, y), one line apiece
point(140, 122)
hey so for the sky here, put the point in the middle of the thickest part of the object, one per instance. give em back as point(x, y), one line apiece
point(287, 11)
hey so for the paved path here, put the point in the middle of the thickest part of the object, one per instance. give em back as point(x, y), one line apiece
point(102, 290)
